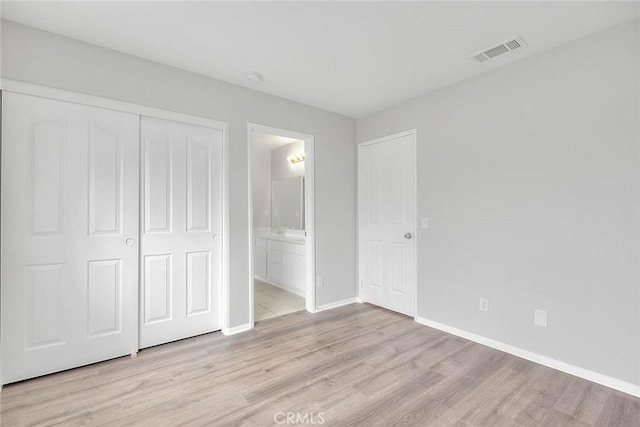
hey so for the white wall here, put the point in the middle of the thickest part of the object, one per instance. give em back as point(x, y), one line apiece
point(43, 58)
point(529, 176)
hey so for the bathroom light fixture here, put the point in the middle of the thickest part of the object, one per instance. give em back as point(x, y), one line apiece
point(296, 158)
point(254, 77)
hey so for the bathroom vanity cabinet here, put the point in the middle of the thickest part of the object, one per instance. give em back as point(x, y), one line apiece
point(280, 262)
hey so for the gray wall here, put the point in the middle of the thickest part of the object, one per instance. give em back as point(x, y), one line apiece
point(268, 165)
point(529, 178)
point(261, 180)
point(47, 59)
point(281, 167)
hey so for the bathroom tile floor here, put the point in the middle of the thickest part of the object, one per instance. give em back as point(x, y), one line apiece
point(271, 301)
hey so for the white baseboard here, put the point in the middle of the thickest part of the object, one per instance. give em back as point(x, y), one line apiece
point(237, 329)
point(577, 371)
point(337, 304)
point(281, 286)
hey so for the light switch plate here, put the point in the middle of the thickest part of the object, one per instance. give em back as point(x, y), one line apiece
point(424, 223)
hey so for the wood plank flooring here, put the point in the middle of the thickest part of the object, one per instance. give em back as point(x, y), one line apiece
point(357, 365)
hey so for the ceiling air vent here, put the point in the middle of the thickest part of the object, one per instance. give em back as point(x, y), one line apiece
point(507, 46)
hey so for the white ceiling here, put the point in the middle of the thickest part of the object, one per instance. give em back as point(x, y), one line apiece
point(269, 142)
point(352, 58)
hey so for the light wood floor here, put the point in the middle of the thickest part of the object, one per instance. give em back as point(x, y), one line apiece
point(356, 365)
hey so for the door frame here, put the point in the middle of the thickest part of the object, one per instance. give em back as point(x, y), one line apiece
point(411, 132)
point(309, 212)
point(25, 88)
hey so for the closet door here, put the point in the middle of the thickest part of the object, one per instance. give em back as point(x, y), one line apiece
point(69, 228)
point(181, 245)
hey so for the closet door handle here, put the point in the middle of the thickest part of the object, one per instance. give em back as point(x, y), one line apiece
point(130, 242)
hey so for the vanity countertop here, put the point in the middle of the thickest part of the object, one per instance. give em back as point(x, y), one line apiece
point(282, 238)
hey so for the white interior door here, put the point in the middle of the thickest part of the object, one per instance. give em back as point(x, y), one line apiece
point(181, 245)
point(69, 230)
point(386, 187)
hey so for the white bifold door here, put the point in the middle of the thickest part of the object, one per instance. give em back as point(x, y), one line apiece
point(181, 243)
point(69, 235)
point(111, 234)
point(386, 193)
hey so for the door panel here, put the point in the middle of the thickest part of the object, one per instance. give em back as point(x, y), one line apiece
point(157, 288)
point(157, 183)
point(44, 321)
point(386, 213)
point(374, 258)
point(105, 182)
point(69, 202)
point(182, 239)
point(198, 182)
point(198, 282)
point(105, 288)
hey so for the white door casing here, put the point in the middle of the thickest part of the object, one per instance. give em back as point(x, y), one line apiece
point(181, 229)
point(260, 258)
point(307, 280)
point(69, 206)
point(386, 209)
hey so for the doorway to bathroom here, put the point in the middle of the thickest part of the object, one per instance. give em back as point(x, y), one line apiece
point(282, 256)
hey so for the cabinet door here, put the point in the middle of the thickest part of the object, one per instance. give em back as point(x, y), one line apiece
point(274, 261)
point(260, 262)
point(274, 271)
point(69, 235)
point(181, 242)
point(289, 270)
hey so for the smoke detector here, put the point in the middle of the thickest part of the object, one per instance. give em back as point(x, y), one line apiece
point(507, 46)
point(254, 77)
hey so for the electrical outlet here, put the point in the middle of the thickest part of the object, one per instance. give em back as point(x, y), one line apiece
point(319, 281)
point(424, 223)
point(484, 304)
point(540, 318)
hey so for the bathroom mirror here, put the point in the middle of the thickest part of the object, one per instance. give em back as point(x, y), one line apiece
point(287, 203)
